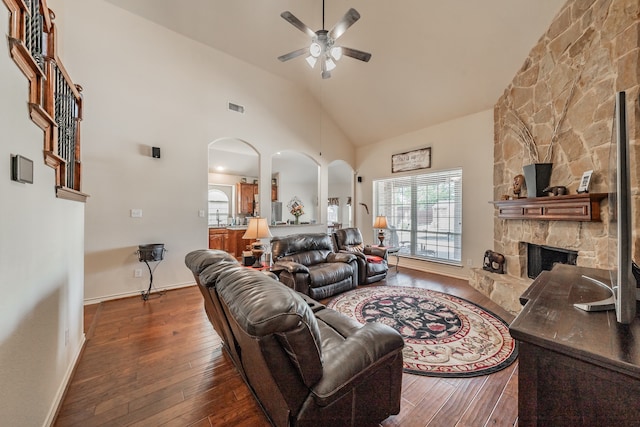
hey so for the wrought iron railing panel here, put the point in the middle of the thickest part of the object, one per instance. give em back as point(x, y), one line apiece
point(66, 117)
point(34, 32)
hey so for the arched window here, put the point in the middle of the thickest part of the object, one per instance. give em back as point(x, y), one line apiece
point(219, 207)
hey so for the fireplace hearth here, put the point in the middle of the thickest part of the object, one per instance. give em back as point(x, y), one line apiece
point(541, 257)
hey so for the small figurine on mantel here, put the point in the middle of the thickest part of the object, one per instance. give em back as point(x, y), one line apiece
point(557, 190)
point(518, 181)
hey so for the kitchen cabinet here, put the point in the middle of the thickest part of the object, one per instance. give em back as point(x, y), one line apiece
point(274, 193)
point(218, 239)
point(229, 240)
point(246, 197)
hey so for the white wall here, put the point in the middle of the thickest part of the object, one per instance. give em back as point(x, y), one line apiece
point(466, 142)
point(41, 265)
point(147, 86)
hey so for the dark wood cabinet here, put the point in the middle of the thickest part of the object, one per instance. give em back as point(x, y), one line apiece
point(575, 368)
point(574, 207)
point(236, 243)
point(218, 239)
point(274, 193)
point(246, 197)
point(229, 240)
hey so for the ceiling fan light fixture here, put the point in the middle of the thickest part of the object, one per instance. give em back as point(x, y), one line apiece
point(315, 49)
point(336, 53)
point(311, 61)
point(329, 64)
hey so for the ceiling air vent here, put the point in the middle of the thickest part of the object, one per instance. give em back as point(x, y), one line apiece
point(237, 108)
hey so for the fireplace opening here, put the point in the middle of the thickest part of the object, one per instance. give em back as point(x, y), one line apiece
point(540, 257)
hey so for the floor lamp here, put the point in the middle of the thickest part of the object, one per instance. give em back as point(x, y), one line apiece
point(257, 229)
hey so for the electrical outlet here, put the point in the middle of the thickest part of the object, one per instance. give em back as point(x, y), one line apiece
point(469, 262)
point(137, 272)
point(136, 213)
point(201, 213)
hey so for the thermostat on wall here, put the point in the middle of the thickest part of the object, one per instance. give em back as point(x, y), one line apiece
point(21, 169)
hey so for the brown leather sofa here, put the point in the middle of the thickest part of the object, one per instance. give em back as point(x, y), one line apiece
point(372, 260)
point(308, 264)
point(307, 365)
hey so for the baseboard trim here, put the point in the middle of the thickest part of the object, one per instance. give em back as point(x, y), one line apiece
point(96, 300)
point(429, 267)
point(64, 385)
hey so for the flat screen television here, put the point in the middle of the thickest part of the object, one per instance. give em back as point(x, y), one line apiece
point(623, 285)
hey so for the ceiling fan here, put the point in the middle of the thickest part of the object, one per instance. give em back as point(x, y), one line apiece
point(323, 46)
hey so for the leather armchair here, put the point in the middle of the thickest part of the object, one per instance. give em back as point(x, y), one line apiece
point(307, 263)
point(372, 260)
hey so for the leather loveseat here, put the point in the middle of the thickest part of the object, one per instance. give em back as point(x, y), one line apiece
point(308, 264)
point(307, 365)
point(372, 260)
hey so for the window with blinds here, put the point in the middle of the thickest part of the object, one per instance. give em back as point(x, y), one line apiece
point(424, 213)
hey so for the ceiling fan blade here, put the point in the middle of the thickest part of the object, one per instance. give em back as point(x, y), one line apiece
point(357, 54)
point(342, 25)
point(289, 17)
point(293, 54)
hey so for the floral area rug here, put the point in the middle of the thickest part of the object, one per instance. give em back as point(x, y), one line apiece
point(444, 335)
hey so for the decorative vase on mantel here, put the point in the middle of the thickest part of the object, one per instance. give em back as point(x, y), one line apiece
point(297, 220)
point(537, 177)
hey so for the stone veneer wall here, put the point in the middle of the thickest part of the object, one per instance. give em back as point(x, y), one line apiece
point(590, 51)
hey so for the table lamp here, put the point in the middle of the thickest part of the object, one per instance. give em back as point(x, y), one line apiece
point(380, 223)
point(258, 228)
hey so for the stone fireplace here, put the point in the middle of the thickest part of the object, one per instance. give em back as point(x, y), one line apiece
point(564, 96)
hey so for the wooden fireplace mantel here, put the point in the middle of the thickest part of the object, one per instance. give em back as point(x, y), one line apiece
point(572, 207)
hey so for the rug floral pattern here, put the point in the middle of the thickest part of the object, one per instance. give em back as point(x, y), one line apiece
point(444, 335)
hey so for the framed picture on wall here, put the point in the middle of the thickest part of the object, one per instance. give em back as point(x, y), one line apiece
point(584, 182)
point(411, 160)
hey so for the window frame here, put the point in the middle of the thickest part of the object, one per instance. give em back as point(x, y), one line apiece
point(424, 213)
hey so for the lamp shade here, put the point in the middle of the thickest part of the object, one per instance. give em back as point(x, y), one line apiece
point(258, 228)
point(380, 222)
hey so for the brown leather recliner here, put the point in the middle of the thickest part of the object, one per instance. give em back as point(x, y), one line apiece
point(308, 264)
point(372, 260)
point(307, 365)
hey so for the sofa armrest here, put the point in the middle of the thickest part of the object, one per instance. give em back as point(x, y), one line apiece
point(341, 257)
point(347, 363)
point(376, 250)
point(290, 266)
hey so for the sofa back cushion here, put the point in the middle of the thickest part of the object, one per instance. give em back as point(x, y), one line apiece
point(305, 249)
point(200, 259)
point(349, 239)
point(263, 307)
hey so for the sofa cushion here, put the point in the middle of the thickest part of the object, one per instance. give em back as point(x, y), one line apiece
point(200, 259)
point(328, 273)
point(307, 249)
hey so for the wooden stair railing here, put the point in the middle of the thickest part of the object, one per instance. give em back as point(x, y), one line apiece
point(55, 102)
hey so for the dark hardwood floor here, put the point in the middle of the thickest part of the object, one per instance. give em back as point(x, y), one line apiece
point(160, 362)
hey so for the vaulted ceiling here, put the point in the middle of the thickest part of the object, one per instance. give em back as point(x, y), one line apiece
point(432, 60)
